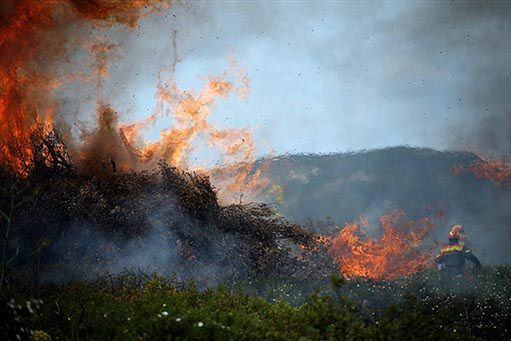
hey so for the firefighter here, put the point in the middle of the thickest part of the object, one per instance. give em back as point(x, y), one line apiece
point(452, 256)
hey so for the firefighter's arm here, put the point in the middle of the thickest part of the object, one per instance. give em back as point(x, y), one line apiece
point(471, 257)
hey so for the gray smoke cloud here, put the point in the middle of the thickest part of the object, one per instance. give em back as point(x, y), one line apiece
point(86, 252)
point(340, 75)
point(474, 36)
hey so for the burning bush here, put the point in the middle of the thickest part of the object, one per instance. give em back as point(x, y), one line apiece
point(165, 220)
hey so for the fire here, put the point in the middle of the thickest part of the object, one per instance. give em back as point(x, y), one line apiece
point(32, 36)
point(34, 44)
point(18, 44)
point(190, 112)
point(497, 171)
point(400, 251)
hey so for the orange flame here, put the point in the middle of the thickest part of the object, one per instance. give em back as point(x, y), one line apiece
point(190, 112)
point(400, 251)
point(33, 37)
point(497, 171)
point(18, 44)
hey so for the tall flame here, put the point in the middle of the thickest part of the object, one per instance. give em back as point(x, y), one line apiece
point(18, 43)
point(400, 251)
point(33, 40)
point(190, 112)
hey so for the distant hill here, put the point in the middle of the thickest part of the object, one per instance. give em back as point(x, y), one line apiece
point(345, 186)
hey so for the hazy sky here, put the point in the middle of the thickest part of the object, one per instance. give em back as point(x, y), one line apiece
point(336, 76)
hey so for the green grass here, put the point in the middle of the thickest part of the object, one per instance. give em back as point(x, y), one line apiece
point(421, 307)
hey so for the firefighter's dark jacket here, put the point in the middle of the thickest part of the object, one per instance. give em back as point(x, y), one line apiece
point(454, 254)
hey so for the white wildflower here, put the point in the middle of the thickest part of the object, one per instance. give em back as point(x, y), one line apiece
point(29, 307)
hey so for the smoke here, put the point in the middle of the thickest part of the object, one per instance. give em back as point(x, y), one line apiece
point(348, 76)
point(474, 37)
point(435, 72)
point(86, 252)
point(339, 76)
point(77, 72)
point(37, 39)
point(104, 146)
point(417, 181)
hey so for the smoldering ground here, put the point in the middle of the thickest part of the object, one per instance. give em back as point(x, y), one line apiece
point(86, 253)
point(161, 240)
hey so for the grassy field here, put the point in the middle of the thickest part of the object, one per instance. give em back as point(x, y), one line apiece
point(128, 306)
